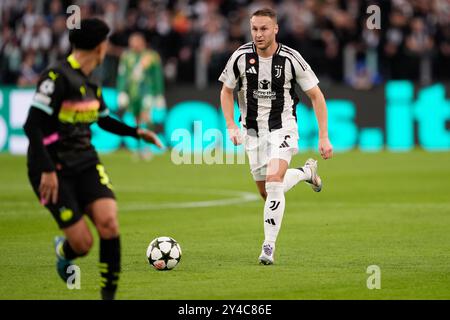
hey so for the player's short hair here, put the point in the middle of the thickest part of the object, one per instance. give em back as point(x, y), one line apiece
point(265, 12)
point(91, 33)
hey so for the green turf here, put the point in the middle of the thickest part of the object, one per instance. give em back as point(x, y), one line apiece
point(390, 210)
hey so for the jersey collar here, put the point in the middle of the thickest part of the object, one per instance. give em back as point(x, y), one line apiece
point(279, 48)
point(73, 62)
point(276, 52)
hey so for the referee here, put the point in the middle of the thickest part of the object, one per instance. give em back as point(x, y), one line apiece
point(63, 166)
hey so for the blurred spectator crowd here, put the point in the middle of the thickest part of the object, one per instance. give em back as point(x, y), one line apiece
point(196, 37)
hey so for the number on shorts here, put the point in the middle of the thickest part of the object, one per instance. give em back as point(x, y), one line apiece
point(104, 179)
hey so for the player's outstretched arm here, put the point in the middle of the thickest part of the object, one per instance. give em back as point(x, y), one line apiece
point(149, 136)
point(117, 127)
point(320, 109)
point(227, 102)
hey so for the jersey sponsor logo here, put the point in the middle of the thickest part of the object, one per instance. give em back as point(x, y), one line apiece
point(104, 178)
point(265, 95)
point(264, 91)
point(65, 214)
point(79, 111)
point(278, 70)
point(264, 84)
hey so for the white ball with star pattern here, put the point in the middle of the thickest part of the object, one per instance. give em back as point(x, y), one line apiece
point(164, 253)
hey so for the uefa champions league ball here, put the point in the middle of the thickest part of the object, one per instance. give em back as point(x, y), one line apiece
point(164, 253)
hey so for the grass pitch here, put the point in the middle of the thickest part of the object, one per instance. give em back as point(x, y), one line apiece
point(384, 209)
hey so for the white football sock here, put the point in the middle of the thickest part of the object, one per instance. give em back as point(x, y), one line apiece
point(294, 176)
point(273, 210)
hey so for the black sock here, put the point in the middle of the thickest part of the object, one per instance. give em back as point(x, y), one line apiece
point(109, 267)
point(68, 252)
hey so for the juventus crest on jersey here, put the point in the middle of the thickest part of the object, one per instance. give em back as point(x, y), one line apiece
point(266, 86)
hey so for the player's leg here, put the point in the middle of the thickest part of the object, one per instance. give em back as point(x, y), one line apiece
point(261, 185)
point(136, 109)
point(66, 212)
point(307, 173)
point(97, 197)
point(285, 142)
point(104, 215)
point(292, 177)
point(144, 120)
point(78, 240)
point(256, 153)
point(139, 141)
point(76, 243)
point(274, 207)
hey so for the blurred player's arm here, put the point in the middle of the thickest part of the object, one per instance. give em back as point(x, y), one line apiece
point(36, 120)
point(118, 127)
point(320, 109)
point(45, 104)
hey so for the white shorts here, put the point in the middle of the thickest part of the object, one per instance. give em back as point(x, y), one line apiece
point(278, 144)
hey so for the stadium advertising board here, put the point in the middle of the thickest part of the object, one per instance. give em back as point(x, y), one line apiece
point(395, 117)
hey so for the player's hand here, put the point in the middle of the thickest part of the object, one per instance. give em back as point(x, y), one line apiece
point(149, 136)
point(325, 148)
point(235, 134)
point(48, 189)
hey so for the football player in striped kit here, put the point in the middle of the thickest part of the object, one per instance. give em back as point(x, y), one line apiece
point(265, 74)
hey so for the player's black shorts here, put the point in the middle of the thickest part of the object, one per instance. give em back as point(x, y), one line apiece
point(76, 191)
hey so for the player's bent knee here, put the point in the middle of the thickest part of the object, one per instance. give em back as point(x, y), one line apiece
point(79, 237)
point(83, 245)
point(108, 228)
point(104, 214)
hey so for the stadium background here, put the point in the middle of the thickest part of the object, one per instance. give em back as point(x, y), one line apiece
point(387, 91)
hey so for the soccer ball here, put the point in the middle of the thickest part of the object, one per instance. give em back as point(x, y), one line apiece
point(163, 253)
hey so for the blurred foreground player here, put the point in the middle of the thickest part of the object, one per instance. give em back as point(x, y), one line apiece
point(63, 166)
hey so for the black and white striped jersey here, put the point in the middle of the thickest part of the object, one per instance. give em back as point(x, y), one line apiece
point(266, 93)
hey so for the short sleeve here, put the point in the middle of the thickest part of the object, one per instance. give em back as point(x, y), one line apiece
point(307, 79)
point(305, 76)
point(50, 92)
point(230, 75)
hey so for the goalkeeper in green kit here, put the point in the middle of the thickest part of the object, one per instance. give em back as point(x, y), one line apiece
point(140, 82)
